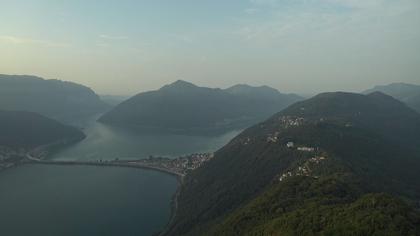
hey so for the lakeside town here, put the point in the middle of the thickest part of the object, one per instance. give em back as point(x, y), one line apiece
point(10, 157)
point(179, 166)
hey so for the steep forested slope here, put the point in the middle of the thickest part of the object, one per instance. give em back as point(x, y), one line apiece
point(361, 144)
point(307, 206)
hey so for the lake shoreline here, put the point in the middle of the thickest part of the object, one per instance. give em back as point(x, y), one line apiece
point(174, 207)
point(105, 143)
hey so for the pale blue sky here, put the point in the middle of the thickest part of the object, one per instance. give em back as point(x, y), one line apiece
point(127, 46)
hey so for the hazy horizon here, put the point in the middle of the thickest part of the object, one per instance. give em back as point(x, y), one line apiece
point(126, 47)
point(340, 158)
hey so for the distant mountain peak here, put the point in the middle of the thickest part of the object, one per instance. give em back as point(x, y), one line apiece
point(399, 87)
point(405, 92)
point(180, 84)
point(182, 105)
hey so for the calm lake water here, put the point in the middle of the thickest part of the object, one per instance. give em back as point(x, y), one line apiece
point(106, 142)
point(62, 200)
point(83, 200)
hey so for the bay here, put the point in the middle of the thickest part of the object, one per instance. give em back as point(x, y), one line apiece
point(87, 200)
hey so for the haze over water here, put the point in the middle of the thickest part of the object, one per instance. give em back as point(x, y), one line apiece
point(106, 142)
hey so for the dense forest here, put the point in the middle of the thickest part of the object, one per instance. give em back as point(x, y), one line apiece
point(354, 150)
point(325, 206)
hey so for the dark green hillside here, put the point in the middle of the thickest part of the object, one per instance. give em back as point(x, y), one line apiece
point(351, 145)
point(377, 112)
point(179, 105)
point(182, 106)
point(64, 101)
point(327, 206)
point(30, 130)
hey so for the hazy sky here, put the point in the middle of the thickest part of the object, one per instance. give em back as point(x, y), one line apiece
point(128, 46)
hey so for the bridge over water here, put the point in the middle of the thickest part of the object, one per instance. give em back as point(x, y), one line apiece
point(141, 164)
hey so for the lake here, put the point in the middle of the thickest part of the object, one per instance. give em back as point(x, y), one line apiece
point(85, 200)
point(106, 142)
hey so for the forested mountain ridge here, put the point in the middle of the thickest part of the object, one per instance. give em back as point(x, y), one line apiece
point(60, 100)
point(183, 106)
point(351, 141)
point(407, 93)
point(261, 92)
point(29, 130)
point(376, 112)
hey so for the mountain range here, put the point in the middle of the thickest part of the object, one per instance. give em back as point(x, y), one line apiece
point(60, 100)
point(335, 164)
point(407, 93)
point(183, 106)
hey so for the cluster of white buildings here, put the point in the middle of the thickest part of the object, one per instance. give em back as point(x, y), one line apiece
point(9, 157)
point(302, 170)
point(194, 161)
point(290, 144)
point(317, 160)
point(302, 148)
point(7, 153)
point(289, 121)
point(273, 138)
point(306, 149)
point(181, 164)
point(285, 175)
